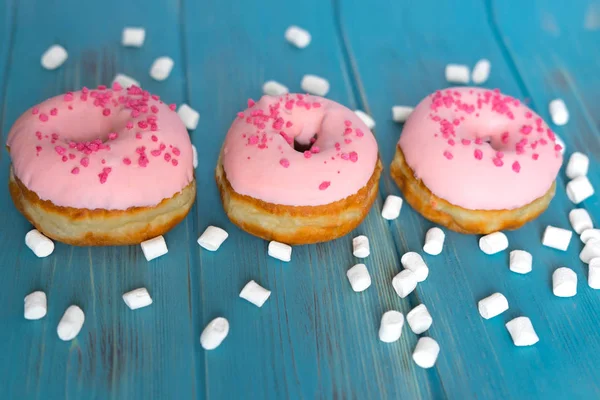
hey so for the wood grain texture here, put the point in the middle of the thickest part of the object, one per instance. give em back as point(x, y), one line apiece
point(314, 338)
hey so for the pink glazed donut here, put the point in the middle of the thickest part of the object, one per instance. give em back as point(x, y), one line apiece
point(476, 160)
point(298, 169)
point(102, 167)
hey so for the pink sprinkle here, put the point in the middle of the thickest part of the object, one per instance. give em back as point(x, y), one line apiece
point(35, 110)
point(43, 117)
point(106, 112)
point(448, 155)
point(347, 141)
point(176, 151)
point(526, 129)
point(347, 131)
point(324, 185)
point(359, 133)
point(143, 124)
point(116, 87)
point(54, 111)
point(138, 135)
point(155, 153)
point(465, 142)
point(307, 154)
point(557, 147)
point(84, 90)
point(284, 162)
point(70, 107)
point(289, 104)
point(316, 105)
point(478, 154)
point(38, 148)
point(101, 87)
point(251, 102)
point(126, 160)
point(167, 157)
point(85, 161)
point(528, 114)
point(103, 161)
point(315, 149)
point(451, 142)
point(353, 156)
point(71, 156)
point(174, 162)
point(75, 171)
point(535, 156)
point(65, 158)
point(253, 139)
point(154, 109)
point(172, 106)
point(345, 156)
point(516, 167)
point(240, 115)
point(154, 138)
point(499, 154)
point(129, 125)
point(113, 135)
point(288, 124)
point(478, 141)
point(498, 162)
point(347, 123)
point(60, 150)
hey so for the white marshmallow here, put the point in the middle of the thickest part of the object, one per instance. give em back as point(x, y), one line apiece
point(70, 324)
point(194, 156)
point(404, 283)
point(481, 71)
point(359, 277)
point(391, 207)
point(133, 37)
point(522, 332)
point(456, 73)
point(273, 88)
point(426, 352)
point(255, 294)
point(189, 116)
point(154, 248)
point(520, 261)
point(390, 328)
point(564, 282)
point(297, 36)
point(54, 57)
point(580, 220)
point(589, 234)
point(161, 68)
point(366, 118)
point(39, 244)
point(434, 241)
point(35, 305)
point(360, 247)
point(315, 85)
point(590, 251)
point(493, 243)
point(559, 112)
point(280, 251)
point(125, 81)
point(492, 305)
point(212, 238)
point(401, 113)
point(215, 332)
point(579, 189)
point(578, 165)
point(419, 319)
point(137, 298)
point(414, 262)
point(594, 273)
point(557, 238)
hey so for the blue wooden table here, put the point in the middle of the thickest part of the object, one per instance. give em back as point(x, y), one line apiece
point(315, 337)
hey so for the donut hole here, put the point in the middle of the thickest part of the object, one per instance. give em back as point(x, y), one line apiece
point(87, 126)
point(302, 147)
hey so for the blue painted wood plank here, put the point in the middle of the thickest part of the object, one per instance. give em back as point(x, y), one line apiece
point(399, 54)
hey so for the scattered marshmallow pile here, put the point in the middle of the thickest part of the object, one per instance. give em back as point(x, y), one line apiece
point(366, 118)
point(297, 36)
point(54, 57)
point(154, 248)
point(558, 112)
point(189, 116)
point(36, 307)
point(391, 207)
point(493, 243)
point(459, 73)
point(314, 84)
point(133, 37)
point(557, 238)
point(212, 238)
point(579, 187)
point(38, 243)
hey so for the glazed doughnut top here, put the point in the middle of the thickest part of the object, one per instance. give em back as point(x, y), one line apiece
point(102, 149)
point(480, 149)
point(298, 150)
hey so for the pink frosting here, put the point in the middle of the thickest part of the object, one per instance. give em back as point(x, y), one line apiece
point(335, 154)
point(105, 148)
point(480, 149)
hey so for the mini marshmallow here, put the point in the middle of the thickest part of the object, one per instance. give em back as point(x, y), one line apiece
point(414, 262)
point(194, 156)
point(594, 273)
point(359, 277)
point(137, 298)
point(522, 332)
point(520, 261)
point(391, 207)
point(561, 143)
point(578, 165)
point(589, 234)
point(125, 81)
point(212, 238)
point(215, 332)
point(493, 243)
point(35, 305)
point(559, 112)
point(255, 293)
point(426, 352)
point(154, 248)
point(360, 246)
point(564, 282)
point(481, 71)
point(54, 57)
point(590, 251)
point(161, 68)
point(390, 328)
point(404, 283)
point(273, 88)
point(456, 73)
point(297, 36)
point(366, 118)
point(579, 189)
point(419, 319)
point(189, 116)
point(557, 238)
point(401, 113)
point(315, 85)
point(580, 220)
point(70, 324)
point(434, 241)
point(492, 305)
point(39, 244)
point(133, 37)
point(280, 251)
